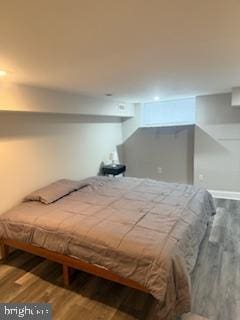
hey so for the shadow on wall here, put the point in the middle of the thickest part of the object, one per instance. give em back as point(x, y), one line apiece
point(29, 119)
point(207, 144)
point(212, 161)
point(120, 152)
point(100, 173)
point(164, 153)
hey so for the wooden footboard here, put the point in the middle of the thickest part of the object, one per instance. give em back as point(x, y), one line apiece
point(4, 250)
point(67, 263)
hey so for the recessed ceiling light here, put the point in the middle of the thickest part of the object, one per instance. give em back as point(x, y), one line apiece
point(156, 98)
point(3, 73)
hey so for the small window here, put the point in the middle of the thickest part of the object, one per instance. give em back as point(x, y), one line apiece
point(169, 113)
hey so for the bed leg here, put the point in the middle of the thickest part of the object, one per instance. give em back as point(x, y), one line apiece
point(66, 277)
point(4, 251)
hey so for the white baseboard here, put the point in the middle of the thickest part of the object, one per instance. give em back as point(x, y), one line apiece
point(191, 316)
point(225, 194)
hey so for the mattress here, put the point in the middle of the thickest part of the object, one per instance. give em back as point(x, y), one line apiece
point(140, 229)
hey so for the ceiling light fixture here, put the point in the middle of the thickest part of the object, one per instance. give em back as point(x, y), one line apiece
point(3, 73)
point(156, 98)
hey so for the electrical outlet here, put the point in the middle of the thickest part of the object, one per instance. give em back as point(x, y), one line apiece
point(201, 177)
point(122, 107)
point(159, 170)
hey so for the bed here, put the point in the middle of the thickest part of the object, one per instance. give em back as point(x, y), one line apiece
point(141, 233)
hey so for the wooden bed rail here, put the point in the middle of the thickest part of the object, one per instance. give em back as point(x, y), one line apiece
point(67, 262)
point(4, 251)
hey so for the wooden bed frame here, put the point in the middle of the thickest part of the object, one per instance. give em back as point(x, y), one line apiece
point(67, 262)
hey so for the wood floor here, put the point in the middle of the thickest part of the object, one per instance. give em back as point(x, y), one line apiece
point(216, 280)
point(216, 277)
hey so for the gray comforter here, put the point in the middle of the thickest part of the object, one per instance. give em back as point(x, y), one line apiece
point(144, 230)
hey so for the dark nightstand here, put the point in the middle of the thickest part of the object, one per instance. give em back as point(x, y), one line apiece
point(113, 170)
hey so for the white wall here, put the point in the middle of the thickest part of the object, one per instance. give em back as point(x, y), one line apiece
point(146, 149)
point(217, 143)
point(15, 97)
point(236, 97)
point(36, 149)
point(214, 144)
point(47, 134)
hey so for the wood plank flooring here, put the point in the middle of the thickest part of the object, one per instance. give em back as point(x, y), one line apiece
point(215, 280)
point(216, 277)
